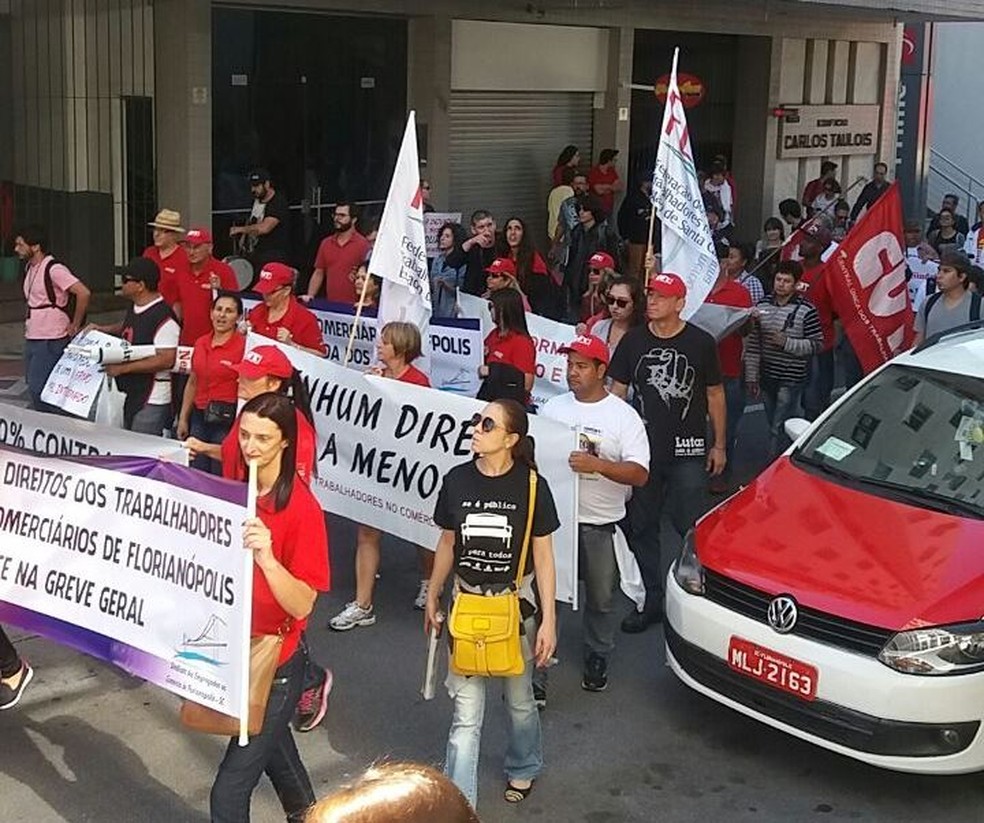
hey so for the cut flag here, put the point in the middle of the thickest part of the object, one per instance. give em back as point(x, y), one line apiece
point(399, 255)
point(688, 250)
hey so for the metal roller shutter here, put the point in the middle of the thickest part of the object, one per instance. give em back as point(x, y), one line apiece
point(503, 148)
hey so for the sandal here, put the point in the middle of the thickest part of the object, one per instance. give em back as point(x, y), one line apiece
point(514, 794)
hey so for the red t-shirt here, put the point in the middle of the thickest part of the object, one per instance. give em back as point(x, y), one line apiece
point(813, 286)
point(173, 269)
point(300, 543)
point(234, 467)
point(298, 320)
point(195, 296)
point(732, 293)
point(339, 264)
point(599, 175)
point(215, 379)
point(813, 190)
point(415, 376)
point(515, 349)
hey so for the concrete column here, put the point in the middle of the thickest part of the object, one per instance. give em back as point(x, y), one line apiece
point(753, 153)
point(608, 131)
point(429, 92)
point(183, 59)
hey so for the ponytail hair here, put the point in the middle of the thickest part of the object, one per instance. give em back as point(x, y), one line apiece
point(517, 422)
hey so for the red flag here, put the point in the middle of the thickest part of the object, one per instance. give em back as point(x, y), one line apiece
point(866, 281)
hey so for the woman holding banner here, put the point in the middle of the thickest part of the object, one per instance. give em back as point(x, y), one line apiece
point(399, 345)
point(208, 407)
point(490, 509)
point(290, 549)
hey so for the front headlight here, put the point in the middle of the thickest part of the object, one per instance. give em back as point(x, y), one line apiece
point(939, 650)
point(687, 571)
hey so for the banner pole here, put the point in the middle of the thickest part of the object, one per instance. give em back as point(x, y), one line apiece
point(650, 256)
point(248, 589)
point(357, 320)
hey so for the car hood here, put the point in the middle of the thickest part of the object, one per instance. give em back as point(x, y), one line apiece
point(846, 552)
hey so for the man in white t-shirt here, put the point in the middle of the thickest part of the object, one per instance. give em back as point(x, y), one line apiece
point(613, 456)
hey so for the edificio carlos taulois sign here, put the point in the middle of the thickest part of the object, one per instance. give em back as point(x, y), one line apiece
point(821, 131)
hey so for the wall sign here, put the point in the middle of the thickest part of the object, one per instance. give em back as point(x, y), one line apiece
point(825, 131)
point(692, 89)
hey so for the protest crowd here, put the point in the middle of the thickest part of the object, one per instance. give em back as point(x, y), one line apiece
point(657, 397)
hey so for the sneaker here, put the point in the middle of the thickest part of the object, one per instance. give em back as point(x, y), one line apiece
point(10, 695)
point(421, 601)
point(595, 677)
point(351, 616)
point(636, 621)
point(313, 705)
point(540, 695)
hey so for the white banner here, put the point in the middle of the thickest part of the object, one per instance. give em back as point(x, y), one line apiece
point(385, 446)
point(60, 436)
point(75, 380)
point(145, 572)
point(687, 247)
point(433, 220)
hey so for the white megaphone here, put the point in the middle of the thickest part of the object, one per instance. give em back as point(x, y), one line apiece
point(113, 351)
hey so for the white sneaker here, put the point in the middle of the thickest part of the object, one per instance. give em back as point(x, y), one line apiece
point(421, 602)
point(351, 616)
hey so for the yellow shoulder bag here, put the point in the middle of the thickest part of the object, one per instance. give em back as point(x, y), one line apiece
point(485, 628)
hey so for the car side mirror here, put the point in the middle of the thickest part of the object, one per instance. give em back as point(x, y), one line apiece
point(796, 427)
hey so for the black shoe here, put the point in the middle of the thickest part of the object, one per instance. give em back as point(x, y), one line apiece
point(540, 696)
point(10, 695)
point(636, 621)
point(595, 677)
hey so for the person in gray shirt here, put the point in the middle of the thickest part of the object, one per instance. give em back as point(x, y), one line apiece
point(954, 302)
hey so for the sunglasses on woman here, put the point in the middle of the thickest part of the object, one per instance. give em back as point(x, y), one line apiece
point(621, 302)
point(487, 424)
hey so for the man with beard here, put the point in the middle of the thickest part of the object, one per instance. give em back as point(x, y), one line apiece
point(267, 234)
point(339, 257)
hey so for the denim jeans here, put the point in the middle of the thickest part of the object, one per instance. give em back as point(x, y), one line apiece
point(207, 433)
point(819, 384)
point(524, 757)
point(599, 571)
point(678, 487)
point(272, 751)
point(10, 662)
point(151, 419)
point(734, 398)
point(850, 364)
point(40, 357)
point(781, 401)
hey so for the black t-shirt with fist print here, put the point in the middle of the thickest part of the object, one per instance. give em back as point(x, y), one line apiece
point(669, 378)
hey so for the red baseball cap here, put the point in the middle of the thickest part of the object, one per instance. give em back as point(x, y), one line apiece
point(589, 346)
point(668, 285)
point(197, 237)
point(264, 361)
point(502, 265)
point(274, 276)
point(601, 260)
point(819, 232)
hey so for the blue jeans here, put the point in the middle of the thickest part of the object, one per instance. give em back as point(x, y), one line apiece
point(781, 401)
point(678, 487)
point(734, 398)
point(598, 569)
point(819, 384)
point(40, 357)
point(207, 433)
point(150, 419)
point(524, 757)
point(849, 362)
point(272, 751)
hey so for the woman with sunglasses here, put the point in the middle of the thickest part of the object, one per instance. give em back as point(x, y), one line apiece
point(398, 346)
point(601, 270)
point(491, 493)
point(626, 310)
point(289, 543)
point(510, 353)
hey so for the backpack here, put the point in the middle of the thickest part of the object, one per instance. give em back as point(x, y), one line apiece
point(933, 299)
point(49, 290)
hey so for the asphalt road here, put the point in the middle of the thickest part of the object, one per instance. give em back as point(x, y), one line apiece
point(89, 743)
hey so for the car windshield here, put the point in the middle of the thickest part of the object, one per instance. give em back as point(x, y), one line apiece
point(910, 434)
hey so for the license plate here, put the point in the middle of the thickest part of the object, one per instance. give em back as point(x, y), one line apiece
point(773, 669)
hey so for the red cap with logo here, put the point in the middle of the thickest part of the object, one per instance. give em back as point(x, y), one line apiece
point(667, 284)
point(198, 237)
point(274, 276)
point(264, 361)
point(819, 232)
point(588, 345)
point(601, 260)
point(502, 265)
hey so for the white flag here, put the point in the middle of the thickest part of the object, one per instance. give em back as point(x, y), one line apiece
point(688, 250)
point(399, 255)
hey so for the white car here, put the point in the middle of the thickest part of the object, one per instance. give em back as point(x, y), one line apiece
point(839, 597)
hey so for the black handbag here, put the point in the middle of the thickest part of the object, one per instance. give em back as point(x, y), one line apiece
point(219, 413)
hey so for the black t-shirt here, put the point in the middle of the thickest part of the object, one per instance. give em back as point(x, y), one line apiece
point(488, 518)
point(274, 246)
point(669, 378)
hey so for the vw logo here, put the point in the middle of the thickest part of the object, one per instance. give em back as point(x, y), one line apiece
point(782, 614)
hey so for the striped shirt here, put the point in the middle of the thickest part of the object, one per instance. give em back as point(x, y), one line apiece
point(799, 322)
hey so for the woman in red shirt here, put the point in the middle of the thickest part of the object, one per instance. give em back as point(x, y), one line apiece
point(208, 407)
point(532, 275)
point(510, 353)
point(290, 549)
point(398, 346)
point(570, 156)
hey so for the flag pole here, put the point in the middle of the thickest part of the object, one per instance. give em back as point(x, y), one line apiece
point(650, 256)
point(251, 495)
point(357, 320)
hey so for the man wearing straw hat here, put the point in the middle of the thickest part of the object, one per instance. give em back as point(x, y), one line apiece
point(168, 253)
